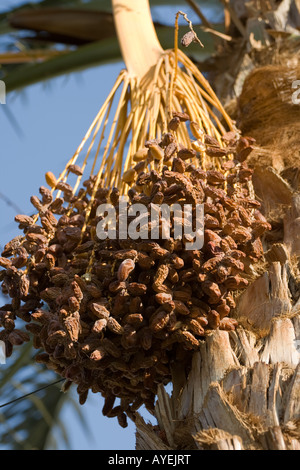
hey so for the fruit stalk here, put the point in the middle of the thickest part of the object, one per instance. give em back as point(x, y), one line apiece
point(139, 43)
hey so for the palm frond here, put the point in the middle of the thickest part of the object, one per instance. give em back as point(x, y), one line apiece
point(74, 22)
point(91, 55)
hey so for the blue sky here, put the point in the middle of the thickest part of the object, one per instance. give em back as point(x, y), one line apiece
point(5, 4)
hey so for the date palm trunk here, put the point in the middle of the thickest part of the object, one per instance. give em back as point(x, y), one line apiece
point(243, 387)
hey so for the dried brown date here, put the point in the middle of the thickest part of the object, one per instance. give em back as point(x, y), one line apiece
point(228, 324)
point(97, 355)
point(213, 319)
point(114, 326)
point(99, 310)
point(136, 288)
point(174, 124)
point(125, 269)
point(185, 154)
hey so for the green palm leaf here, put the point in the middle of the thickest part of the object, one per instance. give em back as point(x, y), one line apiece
point(97, 52)
point(91, 55)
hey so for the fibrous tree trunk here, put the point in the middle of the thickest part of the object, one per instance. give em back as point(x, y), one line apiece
point(244, 386)
point(242, 393)
point(243, 389)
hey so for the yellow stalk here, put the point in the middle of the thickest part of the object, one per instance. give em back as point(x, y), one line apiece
point(101, 137)
point(211, 96)
point(154, 85)
point(137, 36)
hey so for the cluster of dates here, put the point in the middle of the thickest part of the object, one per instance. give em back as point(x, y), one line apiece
point(112, 316)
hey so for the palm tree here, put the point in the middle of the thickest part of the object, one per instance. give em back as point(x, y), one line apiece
point(242, 388)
